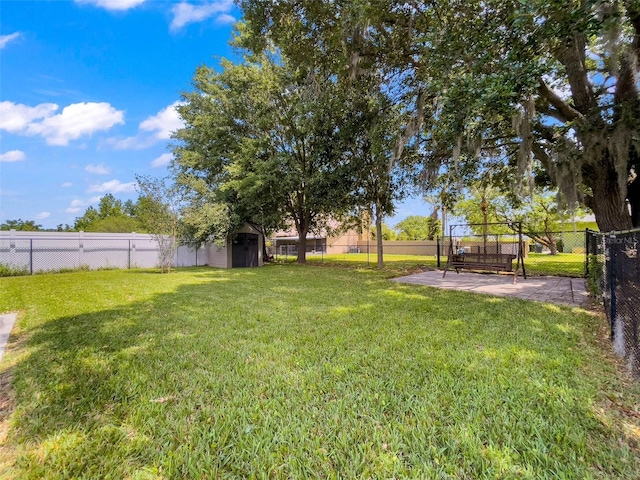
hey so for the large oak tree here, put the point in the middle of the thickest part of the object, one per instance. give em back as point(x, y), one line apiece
point(263, 138)
point(528, 81)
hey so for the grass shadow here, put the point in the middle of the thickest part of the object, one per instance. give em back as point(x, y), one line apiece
point(303, 372)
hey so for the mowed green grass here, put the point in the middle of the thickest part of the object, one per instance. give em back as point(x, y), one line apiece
point(304, 372)
point(392, 261)
point(562, 264)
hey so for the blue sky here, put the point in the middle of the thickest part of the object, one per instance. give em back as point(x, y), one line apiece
point(87, 96)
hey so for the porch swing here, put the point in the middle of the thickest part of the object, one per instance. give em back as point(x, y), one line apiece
point(486, 257)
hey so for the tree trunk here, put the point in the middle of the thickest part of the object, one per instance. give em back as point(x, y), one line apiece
point(302, 245)
point(379, 238)
point(607, 201)
point(609, 206)
point(553, 246)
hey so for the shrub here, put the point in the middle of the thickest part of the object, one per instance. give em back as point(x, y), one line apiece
point(9, 271)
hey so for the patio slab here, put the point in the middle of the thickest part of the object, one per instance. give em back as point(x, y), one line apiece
point(558, 290)
point(7, 320)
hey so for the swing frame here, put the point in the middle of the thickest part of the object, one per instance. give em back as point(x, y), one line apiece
point(485, 261)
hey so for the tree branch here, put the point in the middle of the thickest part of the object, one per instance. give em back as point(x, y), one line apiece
point(565, 112)
point(633, 11)
point(572, 56)
point(627, 85)
point(539, 152)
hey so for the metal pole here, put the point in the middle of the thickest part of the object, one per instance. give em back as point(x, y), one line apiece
point(368, 249)
point(586, 252)
point(31, 256)
point(129, 256)
point(612, 284)
point(521, 249)
point(438, 251)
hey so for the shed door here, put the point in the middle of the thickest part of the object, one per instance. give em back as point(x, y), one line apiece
point(244, 250)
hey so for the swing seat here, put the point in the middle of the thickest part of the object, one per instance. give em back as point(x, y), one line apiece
point(498, 262)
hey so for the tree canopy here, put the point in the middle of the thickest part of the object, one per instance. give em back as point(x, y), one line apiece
point(417, 227)
point(265, 142)
point(540, 86)
point(112, 216)
point(19, 224)
point(539, 214)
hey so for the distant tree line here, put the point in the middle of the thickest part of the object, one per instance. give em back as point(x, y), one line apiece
point(110, 216)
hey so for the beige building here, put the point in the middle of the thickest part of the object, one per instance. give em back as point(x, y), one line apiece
point(285, 242)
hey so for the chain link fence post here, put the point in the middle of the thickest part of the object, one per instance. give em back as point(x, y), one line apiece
point(586, 252)
point(612, 284)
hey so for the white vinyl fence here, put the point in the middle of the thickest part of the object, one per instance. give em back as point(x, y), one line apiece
point(33, 252)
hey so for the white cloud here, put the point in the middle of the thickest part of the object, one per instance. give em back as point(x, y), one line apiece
point(43, 215)
point(15, 117)
point(112, 186)
point(162, 160)
point(185, 13)
point(97, 169)
point(112, 4)
point(164, 122)
point(77, 205)
point(75, 120)
point(67, 185)
point(5, 39)
point(12, 156)
point(153, 129)
point(225, 19)
point(137, 142)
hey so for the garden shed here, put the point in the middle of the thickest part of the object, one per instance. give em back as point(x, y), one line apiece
point(242, 249)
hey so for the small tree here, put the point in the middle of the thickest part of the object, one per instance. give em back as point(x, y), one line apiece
point(538, 214)
point(387, 232)
point(160, 214)
point(111, 215)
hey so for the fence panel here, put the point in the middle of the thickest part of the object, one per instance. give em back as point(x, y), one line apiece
point(559, 253)
point(15, 254)
point(613, 274)
point(23, 253)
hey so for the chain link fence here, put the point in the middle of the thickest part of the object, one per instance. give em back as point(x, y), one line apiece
point(613, 275)
point(564, 255)
point(557, 253)
point(22, 255)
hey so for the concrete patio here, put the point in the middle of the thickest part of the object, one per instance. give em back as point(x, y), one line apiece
point(7, 320)
point(558, 290)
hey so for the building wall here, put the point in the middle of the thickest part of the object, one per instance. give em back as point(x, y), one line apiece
point(402, 247)
point(343, 243)
point(218, 256)
point(222, 257)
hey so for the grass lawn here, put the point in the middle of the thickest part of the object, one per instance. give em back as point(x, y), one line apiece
point(393, 262)
point(563, 264)
point(301, 372)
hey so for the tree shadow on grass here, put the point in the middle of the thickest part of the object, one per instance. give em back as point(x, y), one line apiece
point(306, 373)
